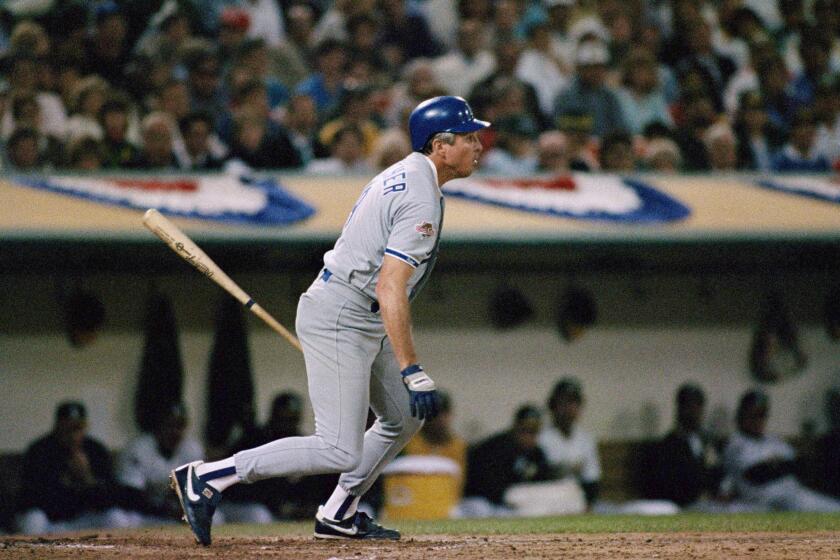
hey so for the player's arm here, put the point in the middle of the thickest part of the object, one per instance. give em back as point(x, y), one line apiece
point(392, 294)
point(394, 307)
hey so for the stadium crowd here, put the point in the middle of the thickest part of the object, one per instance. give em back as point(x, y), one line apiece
point(324, 86)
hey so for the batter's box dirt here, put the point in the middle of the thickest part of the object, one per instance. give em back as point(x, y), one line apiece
point(152, 544)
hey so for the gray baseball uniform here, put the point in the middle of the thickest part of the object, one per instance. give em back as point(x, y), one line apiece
point(350, 364)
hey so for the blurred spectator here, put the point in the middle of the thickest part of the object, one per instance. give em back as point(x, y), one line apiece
point(234, 22)
point(260, 144)
point(156, 152)
point(503, 93)
point(589, 92)
point(577, 126)
point(68, 480)
point(515, 150)
point(147, 460)
point(663, 155)
point(253, 58)
point(302, 126)
point(716, 69)
point(685, 464)
point(363, 42)
point(347, 155)
point(290, 61)
point(85, 154)
point(332, 26)
point(797, 154)
point(761, 468)
point(617, 153)
point(87, 98)
point(507, 21)
point(697, 115)
point(468, 64)
point(827, 114)
point(507, 458)
point(23, 79)
point(641, 97)
point(560, 14)
point(326, 85)
point(167, 30)
point(814, 49)
point(285, 498)
point(418, 83)
point(758, 138)
point(22, 150)
point(570, 450)
point(828, 447)
point(118, 151)
point(26, 113)
point(107, 49)
point(266, 20)
point(196, 129)
point(540, 67)
point(207, 92)
point(437, 437)
point(721, 147)
point(552, 153)
point(391, 146)
point(787, 36)
point(355, 109)
point(762, 49)
point(773, 81)
point(405, 33)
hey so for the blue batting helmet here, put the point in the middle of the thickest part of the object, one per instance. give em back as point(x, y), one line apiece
point(441, 114)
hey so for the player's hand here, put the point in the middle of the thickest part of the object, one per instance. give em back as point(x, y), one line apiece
point(421, 391)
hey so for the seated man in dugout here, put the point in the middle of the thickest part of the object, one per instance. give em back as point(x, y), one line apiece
point(761, 468)
point(685, 467)
point(570, 450)
point(502, 461)
point(68, 481)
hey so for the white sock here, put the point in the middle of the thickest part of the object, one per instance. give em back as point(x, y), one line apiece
point(221, 475)
point(341, 505)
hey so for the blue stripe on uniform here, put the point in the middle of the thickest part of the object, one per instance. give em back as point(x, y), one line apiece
point(403, 256)
point(212, 475)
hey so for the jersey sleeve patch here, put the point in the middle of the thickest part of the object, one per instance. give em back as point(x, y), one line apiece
point(425, 229)
point(402, 256)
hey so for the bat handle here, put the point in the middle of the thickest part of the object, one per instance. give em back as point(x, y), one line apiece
point(278, 328)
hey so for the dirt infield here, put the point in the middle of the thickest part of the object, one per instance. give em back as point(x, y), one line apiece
point(152, 544)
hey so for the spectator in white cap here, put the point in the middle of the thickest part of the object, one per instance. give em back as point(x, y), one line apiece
point(589, 92)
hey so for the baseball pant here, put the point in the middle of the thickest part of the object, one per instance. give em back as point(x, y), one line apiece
point(350, 367)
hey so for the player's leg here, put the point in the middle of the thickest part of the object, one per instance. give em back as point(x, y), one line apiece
point(391, 431)
point(338, 363)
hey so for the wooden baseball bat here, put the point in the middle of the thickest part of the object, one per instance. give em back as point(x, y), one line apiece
point(178, 241)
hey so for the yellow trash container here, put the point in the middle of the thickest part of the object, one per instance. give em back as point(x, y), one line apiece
point(421, 487)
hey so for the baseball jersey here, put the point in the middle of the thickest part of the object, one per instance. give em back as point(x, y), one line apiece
point(398, 214)
point(576, 454)
point(743, 452)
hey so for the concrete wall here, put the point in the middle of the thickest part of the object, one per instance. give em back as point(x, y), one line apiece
point(654, 332)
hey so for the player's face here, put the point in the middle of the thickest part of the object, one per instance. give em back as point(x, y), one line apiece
point(461, 157)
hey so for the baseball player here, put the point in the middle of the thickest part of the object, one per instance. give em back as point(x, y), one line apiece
point(761, 468)
point(354, 323)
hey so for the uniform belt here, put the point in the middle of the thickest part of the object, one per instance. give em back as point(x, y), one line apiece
point(351, 292)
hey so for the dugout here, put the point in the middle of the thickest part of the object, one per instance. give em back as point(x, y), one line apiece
point(676, 302)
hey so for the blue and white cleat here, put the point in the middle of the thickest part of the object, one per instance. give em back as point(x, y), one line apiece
point(359, 526)
point(198, 500)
